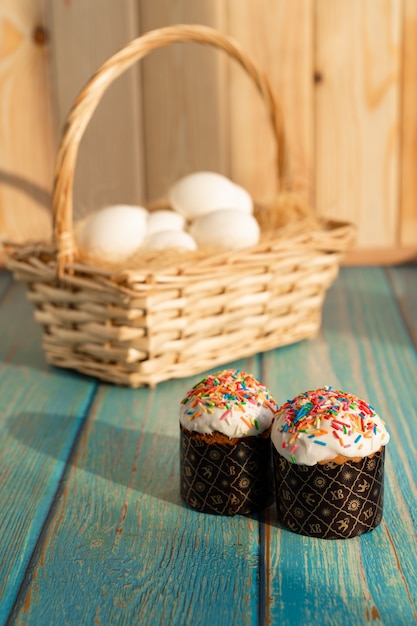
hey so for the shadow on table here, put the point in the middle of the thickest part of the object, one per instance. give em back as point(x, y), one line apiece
point(144, 462)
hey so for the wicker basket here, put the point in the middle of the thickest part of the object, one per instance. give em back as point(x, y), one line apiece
point(143, 325)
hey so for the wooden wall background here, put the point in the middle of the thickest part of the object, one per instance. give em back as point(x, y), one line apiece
point(345, 72)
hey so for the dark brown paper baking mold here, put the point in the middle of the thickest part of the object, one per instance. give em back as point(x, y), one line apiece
point(226, 478)
point(330, 501)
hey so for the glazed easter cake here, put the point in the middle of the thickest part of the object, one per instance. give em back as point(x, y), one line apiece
point(328, 450)
point(225, 447)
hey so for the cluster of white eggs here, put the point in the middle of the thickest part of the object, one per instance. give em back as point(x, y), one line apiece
point(206, 209)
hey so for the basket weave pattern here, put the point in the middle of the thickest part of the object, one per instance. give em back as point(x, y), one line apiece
point(141, 326)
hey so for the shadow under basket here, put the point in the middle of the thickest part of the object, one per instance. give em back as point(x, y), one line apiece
point(187, 312)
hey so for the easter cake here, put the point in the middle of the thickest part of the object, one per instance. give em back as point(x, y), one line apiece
point(225, 447)
point(328, 450)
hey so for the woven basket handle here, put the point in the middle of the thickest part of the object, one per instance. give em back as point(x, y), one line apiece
point(87, 101)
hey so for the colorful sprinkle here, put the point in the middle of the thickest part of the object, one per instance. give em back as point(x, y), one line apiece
point(248, 424)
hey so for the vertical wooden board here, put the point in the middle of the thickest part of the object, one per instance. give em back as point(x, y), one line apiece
point(358, 56)
point(362, 348)
point(408, 190)
point(41, 413)
point(279, 36)
point(128, 543)
point(27, 136)
point(185, 97)
point(84, 35)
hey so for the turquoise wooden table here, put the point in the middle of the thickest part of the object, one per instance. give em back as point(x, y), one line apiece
point(92, 529)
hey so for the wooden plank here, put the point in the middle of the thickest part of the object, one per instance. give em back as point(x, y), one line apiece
point(27, 136)
point(110, 164)
point(404, 284)
point(358, 56)
point(363, 348)
point(185, 98)
point(128, 543)
point(408, 182)
point(279, 35)
point(41, 413)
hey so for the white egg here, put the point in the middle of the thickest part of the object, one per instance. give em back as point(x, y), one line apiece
point(163, 239)
point(228, 229)
point(114, 232)
point(201, 193)
point(243, 200)
point(164, 220)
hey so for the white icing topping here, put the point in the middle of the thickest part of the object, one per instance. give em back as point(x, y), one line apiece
point(319, 425)
point(229, 402)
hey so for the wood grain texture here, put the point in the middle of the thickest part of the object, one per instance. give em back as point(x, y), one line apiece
point(41, 412)
point(364, 348)
point(133, 553)
point(185, 98)
point(27, 137)
point(408, 182)
point(279, 35)
point(357, 109)
point(110, 167)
